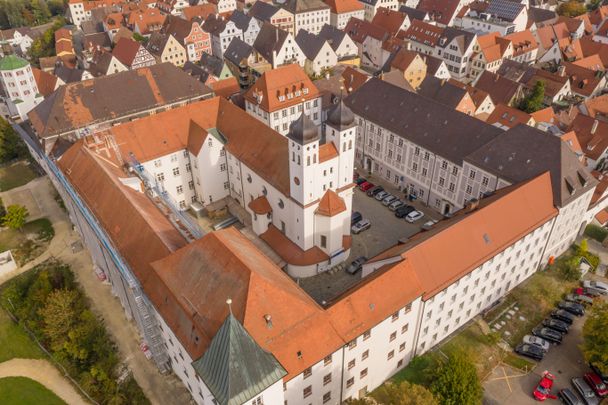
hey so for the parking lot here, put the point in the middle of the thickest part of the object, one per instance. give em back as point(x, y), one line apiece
point(565, 361)
point(385, 231)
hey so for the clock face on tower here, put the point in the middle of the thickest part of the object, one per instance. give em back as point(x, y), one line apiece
point(296, 180)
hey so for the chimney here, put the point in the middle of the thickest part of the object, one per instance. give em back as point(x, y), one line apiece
point(561, 71)
point(268, 320)
point(594, 126)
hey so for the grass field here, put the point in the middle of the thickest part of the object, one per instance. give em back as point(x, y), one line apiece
point(24, 249)
point(15, 175)
point(14, 342)
point(23, 391)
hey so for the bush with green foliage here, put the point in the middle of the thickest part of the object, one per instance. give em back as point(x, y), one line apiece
point(572, 8)
point(535, 100)
point(15, 217)
point(596, 232)
point(595, 336)
point(44, 45)
point(456, 381)
point(48, 301)
point(19, 13)
point(404, 393)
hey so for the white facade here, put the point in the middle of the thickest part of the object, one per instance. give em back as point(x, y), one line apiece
point(221, 40)
point(325, 59)
point(311, 21)
point(372, 6)
point(339, 20)
point(19, 86)
point(281, 119)
point(173, 174)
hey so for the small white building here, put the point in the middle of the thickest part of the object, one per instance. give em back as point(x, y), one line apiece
point(19, 85)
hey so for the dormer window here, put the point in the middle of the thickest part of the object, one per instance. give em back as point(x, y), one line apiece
point(305, 90)
point(281, 98)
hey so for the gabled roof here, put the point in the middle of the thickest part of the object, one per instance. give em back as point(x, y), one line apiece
point(424, 33)
point(237, 51)
point(501, 89)
point(592, 135)
point(442, 91)
point(523, 42)
point(214, 25)
point(125, 51)
point(76, 105)
point(332, 35)
point(303, 6)
point(212, 64)
point(263, 11)
point(416, 118)
point(310, 44)
point(508, 117)
point(441, 11)
point(414, 14)
point(200, 11)
point(289, 82)
point(390, 20)
point(240, 19)
point(523, 152)
point(234, 367)
point(344, 6)
point(45, 81)
point(505, 9)
point(583, 81)
point(269, 39)
point(359, 30)
point(178, 27)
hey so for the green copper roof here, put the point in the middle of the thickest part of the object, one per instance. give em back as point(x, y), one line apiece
point(12, 62)
point(234, 367)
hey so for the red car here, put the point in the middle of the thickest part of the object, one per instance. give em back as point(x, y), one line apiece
point(543, 389)
point(596, 383)
point(366, 186)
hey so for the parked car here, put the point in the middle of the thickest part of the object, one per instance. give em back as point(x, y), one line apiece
point(360, 180)
point(543, 389)
point(388, 200)
point(381, 195)
point(597, 371)
point(395, 205)
point(579, 299)
point(403, 211)
point(375, 190)
point(547, 334)
point(572, 307)
point(429, 224)
point(535, 340)
point(356, 265)
point(597, 384)
point(587, 292)
point(414, 216)
point(365, 186)
point(585, 390)
point(563, 316)
point(361, 226)
point(531, 351)
point(569, 398)
point(556, 324)
point(355, 217)
point(598, 286)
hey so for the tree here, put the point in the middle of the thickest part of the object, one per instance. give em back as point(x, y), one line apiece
point(44, 45)
point(139, 38)
point(595, 337)
point(15, 216)
point(11, 146)
point(583, 247)
point(59, 316)
point(40, 11)
point(534, 101)
point(571, 8)
point(404, 393)
point(456, 381)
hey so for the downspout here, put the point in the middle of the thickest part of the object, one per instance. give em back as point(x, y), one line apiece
point(428, 199)
point(342, 377)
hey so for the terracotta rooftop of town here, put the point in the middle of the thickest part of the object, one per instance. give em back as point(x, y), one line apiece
point(282, 87)
point(330, 204)
point(508, 117)
point(344, 6)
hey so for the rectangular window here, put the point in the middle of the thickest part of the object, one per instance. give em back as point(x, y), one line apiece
point(327, 379)
point(307, 391)
point(327, 397)
point(307, 373)
point(390, 355)
point(395, 316)
point(176, 171)
point(323, 241)
point(222, 167)
point(160, 177)
point(327, 360)
point(367, 335)
point(179, 189)
point(352, 344)
point(393, 336)
point(363, 373)
point(351, 364)
point(402, 347)
point(365, 355)
point(350, 382)
point(404, 328)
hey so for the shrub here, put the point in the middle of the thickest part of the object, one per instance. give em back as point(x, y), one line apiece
point(596, 232)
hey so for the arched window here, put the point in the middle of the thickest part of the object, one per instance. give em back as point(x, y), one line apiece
point(343, 147)
point(314, 158)
point(299, 160)
point(307, 160)
point(350, 144)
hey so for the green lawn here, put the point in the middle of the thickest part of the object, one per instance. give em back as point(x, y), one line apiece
point(23, 391)
point(14, 342)
point(15, 175)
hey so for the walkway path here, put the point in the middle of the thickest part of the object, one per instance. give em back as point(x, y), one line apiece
point(160, 389)
point(46, 374)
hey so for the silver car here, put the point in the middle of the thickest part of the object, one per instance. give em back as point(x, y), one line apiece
point(360, 226)
point(536, 341)
point(388, 200)
point(585, 390)
point(381, 195)
point(597, 286)
point(395, 205)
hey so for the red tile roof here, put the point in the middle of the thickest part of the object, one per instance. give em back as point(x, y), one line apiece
point(289, 251)
point(260, 205)
point(344, 6)
point(327, 151)
point(330, 204)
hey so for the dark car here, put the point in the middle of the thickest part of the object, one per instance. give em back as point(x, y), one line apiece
point(355, 217)
point(356, 264)
point(579, 299)
point(556, 324)
point(403, 211)
point(375, 190)
point(563, 316)
point(585, 391)
point(569, 398)
point(531, 351)
point(360, 180)
point(547, 334)
point(572, 307)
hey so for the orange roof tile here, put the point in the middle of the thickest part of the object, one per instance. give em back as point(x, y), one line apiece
point(201, 11)
point(289, 251)
point(327, 151)
point(593, 62)
point(281, 88)
point(522, 41)
point(602, 216)
point(572, 141)
point(226, 87)
point(343, 6)
point(508, 116)
point(545, 115)
point(331, 204)
point(260, 205)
